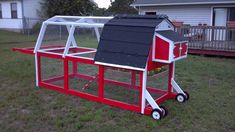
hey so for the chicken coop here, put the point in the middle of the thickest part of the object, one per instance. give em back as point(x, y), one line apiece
point(132, 54)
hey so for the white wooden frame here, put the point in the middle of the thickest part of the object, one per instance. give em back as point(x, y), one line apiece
point(82, 21)
point(146, 96)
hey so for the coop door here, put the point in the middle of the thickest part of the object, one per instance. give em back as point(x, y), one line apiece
point(180, 50)
point(161, 50)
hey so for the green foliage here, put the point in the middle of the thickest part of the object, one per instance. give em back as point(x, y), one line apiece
point(67, 7)
point(99, 11)
point(84, 8)
point(36, 28)
point(122, 7)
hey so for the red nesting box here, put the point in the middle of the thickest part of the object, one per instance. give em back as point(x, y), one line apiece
point(168, 46)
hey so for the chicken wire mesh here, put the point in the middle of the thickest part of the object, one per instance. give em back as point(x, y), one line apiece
point(158, 79)
point(120, 84)
point(52, 68)
point(128, 93)
point(80, 81)
point(57, 35)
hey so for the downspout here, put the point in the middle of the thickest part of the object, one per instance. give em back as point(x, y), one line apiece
point(139, 10)
point(23, 17)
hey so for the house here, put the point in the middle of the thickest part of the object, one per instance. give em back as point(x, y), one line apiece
point(15, 14)
point(193, 12)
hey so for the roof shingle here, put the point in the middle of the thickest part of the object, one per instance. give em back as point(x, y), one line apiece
point(126, 40)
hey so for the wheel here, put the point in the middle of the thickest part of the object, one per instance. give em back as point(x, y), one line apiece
point(164, 111)
point(187, 95)
point(156, 114)
point(180, 97)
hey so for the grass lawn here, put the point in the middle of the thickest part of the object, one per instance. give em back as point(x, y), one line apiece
point(23, 107)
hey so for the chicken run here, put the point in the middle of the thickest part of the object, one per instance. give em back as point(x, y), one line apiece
point(130, 48)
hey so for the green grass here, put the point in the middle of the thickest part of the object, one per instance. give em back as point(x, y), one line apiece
point(23, 107)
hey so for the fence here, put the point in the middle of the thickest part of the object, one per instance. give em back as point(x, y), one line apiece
point(32, 25)
point(209, 37)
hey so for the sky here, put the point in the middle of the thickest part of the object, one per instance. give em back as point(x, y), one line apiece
point(103, 3)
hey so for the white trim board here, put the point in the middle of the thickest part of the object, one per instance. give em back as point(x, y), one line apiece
point(120, 66)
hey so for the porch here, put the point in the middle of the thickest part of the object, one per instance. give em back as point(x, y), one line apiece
point(210, 40)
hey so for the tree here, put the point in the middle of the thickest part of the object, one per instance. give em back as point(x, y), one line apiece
point(122, 7)
point(67, 7)
point(99, 11)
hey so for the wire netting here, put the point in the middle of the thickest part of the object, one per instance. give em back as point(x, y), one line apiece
point(120, 84)
point(158, 79)
point(52, 68)
point(58, 35)
point(84, 78)
point(128, 93)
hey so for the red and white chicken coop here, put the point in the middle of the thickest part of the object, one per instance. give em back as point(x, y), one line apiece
point(135, 45)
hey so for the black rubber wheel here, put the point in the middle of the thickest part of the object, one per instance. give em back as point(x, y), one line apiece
point(180, 98)
point(187, 95)
point(164, 111)
point(156, 114)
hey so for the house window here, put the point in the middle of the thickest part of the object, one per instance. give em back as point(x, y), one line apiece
point(231, 14)
point(0, 10)
point(221, 15)
point(150, 13)
point(14, 10)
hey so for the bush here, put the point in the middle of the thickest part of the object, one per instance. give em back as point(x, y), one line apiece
point(36, 28)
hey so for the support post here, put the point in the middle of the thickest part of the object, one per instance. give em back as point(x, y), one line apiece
point(141, 94)
point(38, 68)
point(74, 43)
point(69, 41)
point(66, 74)
point(171, 76)
point(101, 82)
point(97, 34)
point(40, 37)
point(143, 79)
point(133, 78)
point(75, 68)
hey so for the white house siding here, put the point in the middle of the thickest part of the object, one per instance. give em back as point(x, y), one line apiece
point(31, 7)
point(192, 15)
point(7, 22)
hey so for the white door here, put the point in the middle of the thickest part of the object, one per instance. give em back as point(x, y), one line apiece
point(220, 20)
point(220, 16)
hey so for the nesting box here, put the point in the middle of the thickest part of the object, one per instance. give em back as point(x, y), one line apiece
point(168, 46)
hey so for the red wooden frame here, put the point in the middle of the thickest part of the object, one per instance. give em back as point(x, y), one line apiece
point(46, 83)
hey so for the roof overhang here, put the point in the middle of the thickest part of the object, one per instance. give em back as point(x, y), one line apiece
point(186, 3)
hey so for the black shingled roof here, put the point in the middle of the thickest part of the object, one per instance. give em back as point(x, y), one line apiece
point(175, 37)
point(126, 40)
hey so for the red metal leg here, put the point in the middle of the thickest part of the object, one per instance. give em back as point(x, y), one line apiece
point(141, 92)
point(171, 72)
point(75, 68)
point(133, 78)
point(66, 74)
point(39, 68)
point(75, 65)
point(101, 82)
